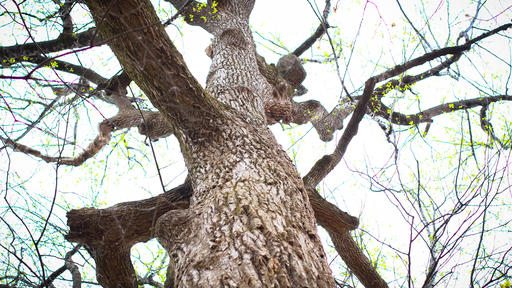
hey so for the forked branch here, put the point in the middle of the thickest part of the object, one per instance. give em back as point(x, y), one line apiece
point(148, 122)
point(125, 224)
point(323, 166)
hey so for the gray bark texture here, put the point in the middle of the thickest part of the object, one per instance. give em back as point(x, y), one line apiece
point(250, 222)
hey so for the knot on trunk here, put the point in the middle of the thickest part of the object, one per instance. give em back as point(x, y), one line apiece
point(290, 68)
point(286, 80)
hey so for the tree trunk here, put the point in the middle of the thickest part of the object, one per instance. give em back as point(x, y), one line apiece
point(250, 223)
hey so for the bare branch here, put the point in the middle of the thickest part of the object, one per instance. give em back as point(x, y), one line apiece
point(144, 51)
point(101, 140)
point(149, 281)
point(486, 124)
point(428, 114)
point(67, 67)
point(323, 166)
point(79, 40)
point(153, 125)
point(423, 40)
point(73, 268)
point(318, 32)
point(68, 265)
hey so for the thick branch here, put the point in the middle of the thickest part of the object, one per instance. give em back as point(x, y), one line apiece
point(325, 123)
point(110, 233)
point(355, 259)
point(67, 20)
point(345, 245)
point(323, 166)
point(196, 13)
point(329, 216)
point(312, 111)
point(310, 41)
point(114, 267)
point(83, 39)
point(148, 56)
point(127, 223)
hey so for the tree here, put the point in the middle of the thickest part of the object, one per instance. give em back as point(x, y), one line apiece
point(244, 217)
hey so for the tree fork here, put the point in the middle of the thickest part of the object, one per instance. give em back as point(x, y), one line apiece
point(249, 222)
point(133, 222)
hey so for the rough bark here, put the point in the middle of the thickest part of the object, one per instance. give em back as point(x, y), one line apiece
point(356, 260)
point(249, 223)
point(110, 233)
point(132, 222)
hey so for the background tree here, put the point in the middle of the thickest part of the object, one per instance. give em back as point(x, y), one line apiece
point(242, 216)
